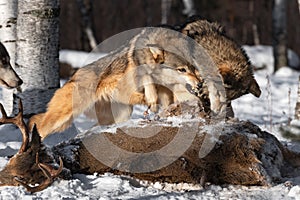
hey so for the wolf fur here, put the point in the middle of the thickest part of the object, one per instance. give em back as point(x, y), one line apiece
point(8, 77)
point(141, 72)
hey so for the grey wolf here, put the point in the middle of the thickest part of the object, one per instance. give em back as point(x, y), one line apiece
point(8, 77)
point(140, 72)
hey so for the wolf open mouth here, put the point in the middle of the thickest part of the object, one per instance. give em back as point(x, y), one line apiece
point(194, 91)
point(4, 84)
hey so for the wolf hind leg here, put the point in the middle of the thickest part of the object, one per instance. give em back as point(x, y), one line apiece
point(165, 96)
point(112, 112)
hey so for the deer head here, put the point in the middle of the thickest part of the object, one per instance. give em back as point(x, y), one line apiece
point(25, 168)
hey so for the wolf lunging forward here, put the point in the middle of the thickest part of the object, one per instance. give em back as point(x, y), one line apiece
point(153, 68)
point(141, 72)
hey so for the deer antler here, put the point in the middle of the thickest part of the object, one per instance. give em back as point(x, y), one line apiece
point(22, 164)
point(48, 171)
point(19, 122)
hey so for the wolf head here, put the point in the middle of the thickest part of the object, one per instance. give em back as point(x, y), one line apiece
point(8, 77)
point(175, 65)
point(167, 68)
point(233, 63)
point(164, 55)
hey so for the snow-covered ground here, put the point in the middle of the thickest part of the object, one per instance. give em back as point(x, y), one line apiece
point(273, 109)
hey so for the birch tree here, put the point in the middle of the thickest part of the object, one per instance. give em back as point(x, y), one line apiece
point(279, 17)
point(8, 20)
point(37, 52)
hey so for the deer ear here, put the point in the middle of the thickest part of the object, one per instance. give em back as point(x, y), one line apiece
point(157, 53)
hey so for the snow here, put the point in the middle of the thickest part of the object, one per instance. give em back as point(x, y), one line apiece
point(275, 108)
point(78, 58)
point(261, 56)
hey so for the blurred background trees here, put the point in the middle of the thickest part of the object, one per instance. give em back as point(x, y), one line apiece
point(247, 21)
point(279, 22)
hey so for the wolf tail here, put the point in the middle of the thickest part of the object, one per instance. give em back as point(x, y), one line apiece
point(68, 102)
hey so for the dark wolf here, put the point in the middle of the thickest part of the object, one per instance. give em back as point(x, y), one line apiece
point(232, 61)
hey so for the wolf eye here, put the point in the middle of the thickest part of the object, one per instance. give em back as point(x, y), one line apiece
point(4, 61)
point(181, 69)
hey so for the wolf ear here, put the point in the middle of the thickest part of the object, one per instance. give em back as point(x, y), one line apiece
point(254, 88)
point(157, 53)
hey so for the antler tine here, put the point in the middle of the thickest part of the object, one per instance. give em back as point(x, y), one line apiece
point(20, 108)
point(4, 115)
point(23, 128)
point(13, 120)
point(19, 122)
point(49, 171)
point(33, 189)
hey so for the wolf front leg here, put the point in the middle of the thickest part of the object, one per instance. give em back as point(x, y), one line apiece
point(165, 96)
point(217, 97)
point(151, 95)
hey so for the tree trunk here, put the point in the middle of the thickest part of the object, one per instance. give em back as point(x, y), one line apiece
point(86, 22)
point(279, 16)
point(37, 52)
point(8, 20)
point(165, 10)
point(189, 8)
point(254, 23)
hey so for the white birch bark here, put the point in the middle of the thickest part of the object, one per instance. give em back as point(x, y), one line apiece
point(8, 20)
point(37, 52)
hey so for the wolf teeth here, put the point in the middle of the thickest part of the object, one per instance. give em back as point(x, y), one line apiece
point(192, 90)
